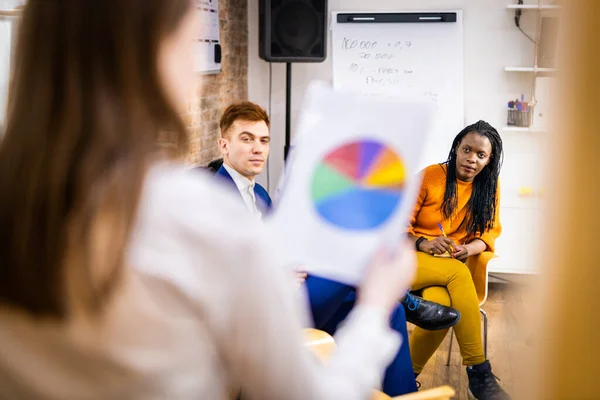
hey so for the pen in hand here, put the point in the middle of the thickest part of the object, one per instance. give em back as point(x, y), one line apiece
point(444, 233)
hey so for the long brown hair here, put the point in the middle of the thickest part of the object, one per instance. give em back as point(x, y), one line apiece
point(86, 105)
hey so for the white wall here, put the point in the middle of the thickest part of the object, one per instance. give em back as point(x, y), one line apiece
point(6, 37)
point(491, 42)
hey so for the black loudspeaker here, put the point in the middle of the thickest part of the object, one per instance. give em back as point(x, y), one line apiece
point(293, 30)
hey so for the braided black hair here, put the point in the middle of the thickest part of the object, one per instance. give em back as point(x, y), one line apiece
point(481, 208)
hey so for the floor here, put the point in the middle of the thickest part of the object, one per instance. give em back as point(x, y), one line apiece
point(510, 342)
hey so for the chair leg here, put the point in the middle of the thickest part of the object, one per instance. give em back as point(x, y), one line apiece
point(450, 347)
point(485, 328)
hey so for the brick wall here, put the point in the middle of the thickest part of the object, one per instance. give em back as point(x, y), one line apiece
point(215, 92)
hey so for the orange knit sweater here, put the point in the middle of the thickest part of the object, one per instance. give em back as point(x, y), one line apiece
point(428, 210)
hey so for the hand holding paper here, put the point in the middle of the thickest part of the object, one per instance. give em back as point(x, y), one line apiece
point(388, 276)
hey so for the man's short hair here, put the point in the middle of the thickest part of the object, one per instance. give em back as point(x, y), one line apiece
point(245, 111)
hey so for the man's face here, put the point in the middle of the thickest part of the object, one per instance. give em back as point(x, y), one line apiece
point(245, 147)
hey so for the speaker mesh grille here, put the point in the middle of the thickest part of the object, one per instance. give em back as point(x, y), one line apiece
point(296, 28)
point(293, 30)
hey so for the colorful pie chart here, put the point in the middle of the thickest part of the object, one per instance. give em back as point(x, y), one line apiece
point(359, 185)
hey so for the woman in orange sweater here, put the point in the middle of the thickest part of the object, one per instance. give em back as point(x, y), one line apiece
point(462, 195)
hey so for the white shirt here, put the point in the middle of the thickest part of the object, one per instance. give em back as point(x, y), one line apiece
point(202, 307)
point(246, 188)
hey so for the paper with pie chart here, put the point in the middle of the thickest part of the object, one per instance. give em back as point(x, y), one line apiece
point(350, 182)
point(359, 185)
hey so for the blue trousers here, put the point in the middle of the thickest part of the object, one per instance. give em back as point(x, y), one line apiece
point(330, 303)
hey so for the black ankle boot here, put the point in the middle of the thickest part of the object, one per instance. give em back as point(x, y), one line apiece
point(429, 315)
point(483, 385)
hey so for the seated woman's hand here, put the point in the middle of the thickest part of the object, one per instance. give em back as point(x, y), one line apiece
point(439, 245)
point(461, 253)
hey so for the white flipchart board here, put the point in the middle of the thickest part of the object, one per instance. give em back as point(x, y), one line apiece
point(405, 61)
point(208, 39)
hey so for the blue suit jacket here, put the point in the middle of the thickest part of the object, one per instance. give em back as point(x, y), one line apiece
point(263, 200)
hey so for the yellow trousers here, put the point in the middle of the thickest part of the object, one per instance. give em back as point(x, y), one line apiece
point(447, 281)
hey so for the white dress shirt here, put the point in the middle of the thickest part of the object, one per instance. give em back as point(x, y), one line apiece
point(204, 305)
point(246, 188)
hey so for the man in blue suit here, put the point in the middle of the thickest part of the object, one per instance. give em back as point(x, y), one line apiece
point(244, 144)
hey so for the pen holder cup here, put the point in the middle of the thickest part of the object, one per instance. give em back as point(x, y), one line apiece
point(512, 117)
point(519, 118)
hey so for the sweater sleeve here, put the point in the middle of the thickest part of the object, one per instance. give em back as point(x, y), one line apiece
point(261, 342)
point(420, 199)
point(239, 288)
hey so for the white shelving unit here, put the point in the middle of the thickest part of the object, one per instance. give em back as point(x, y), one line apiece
point(532, 129)
point(530, 69)
point(532, 7)
point(520, 213)
point(10, 13)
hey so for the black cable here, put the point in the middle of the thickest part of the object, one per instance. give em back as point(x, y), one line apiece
point(518, 14)
point(528, 37)
point(271, 118)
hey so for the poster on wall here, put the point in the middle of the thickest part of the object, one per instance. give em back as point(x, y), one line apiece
point(208, 46)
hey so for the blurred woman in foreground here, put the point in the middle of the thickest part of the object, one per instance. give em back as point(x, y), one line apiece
point(121, 277)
